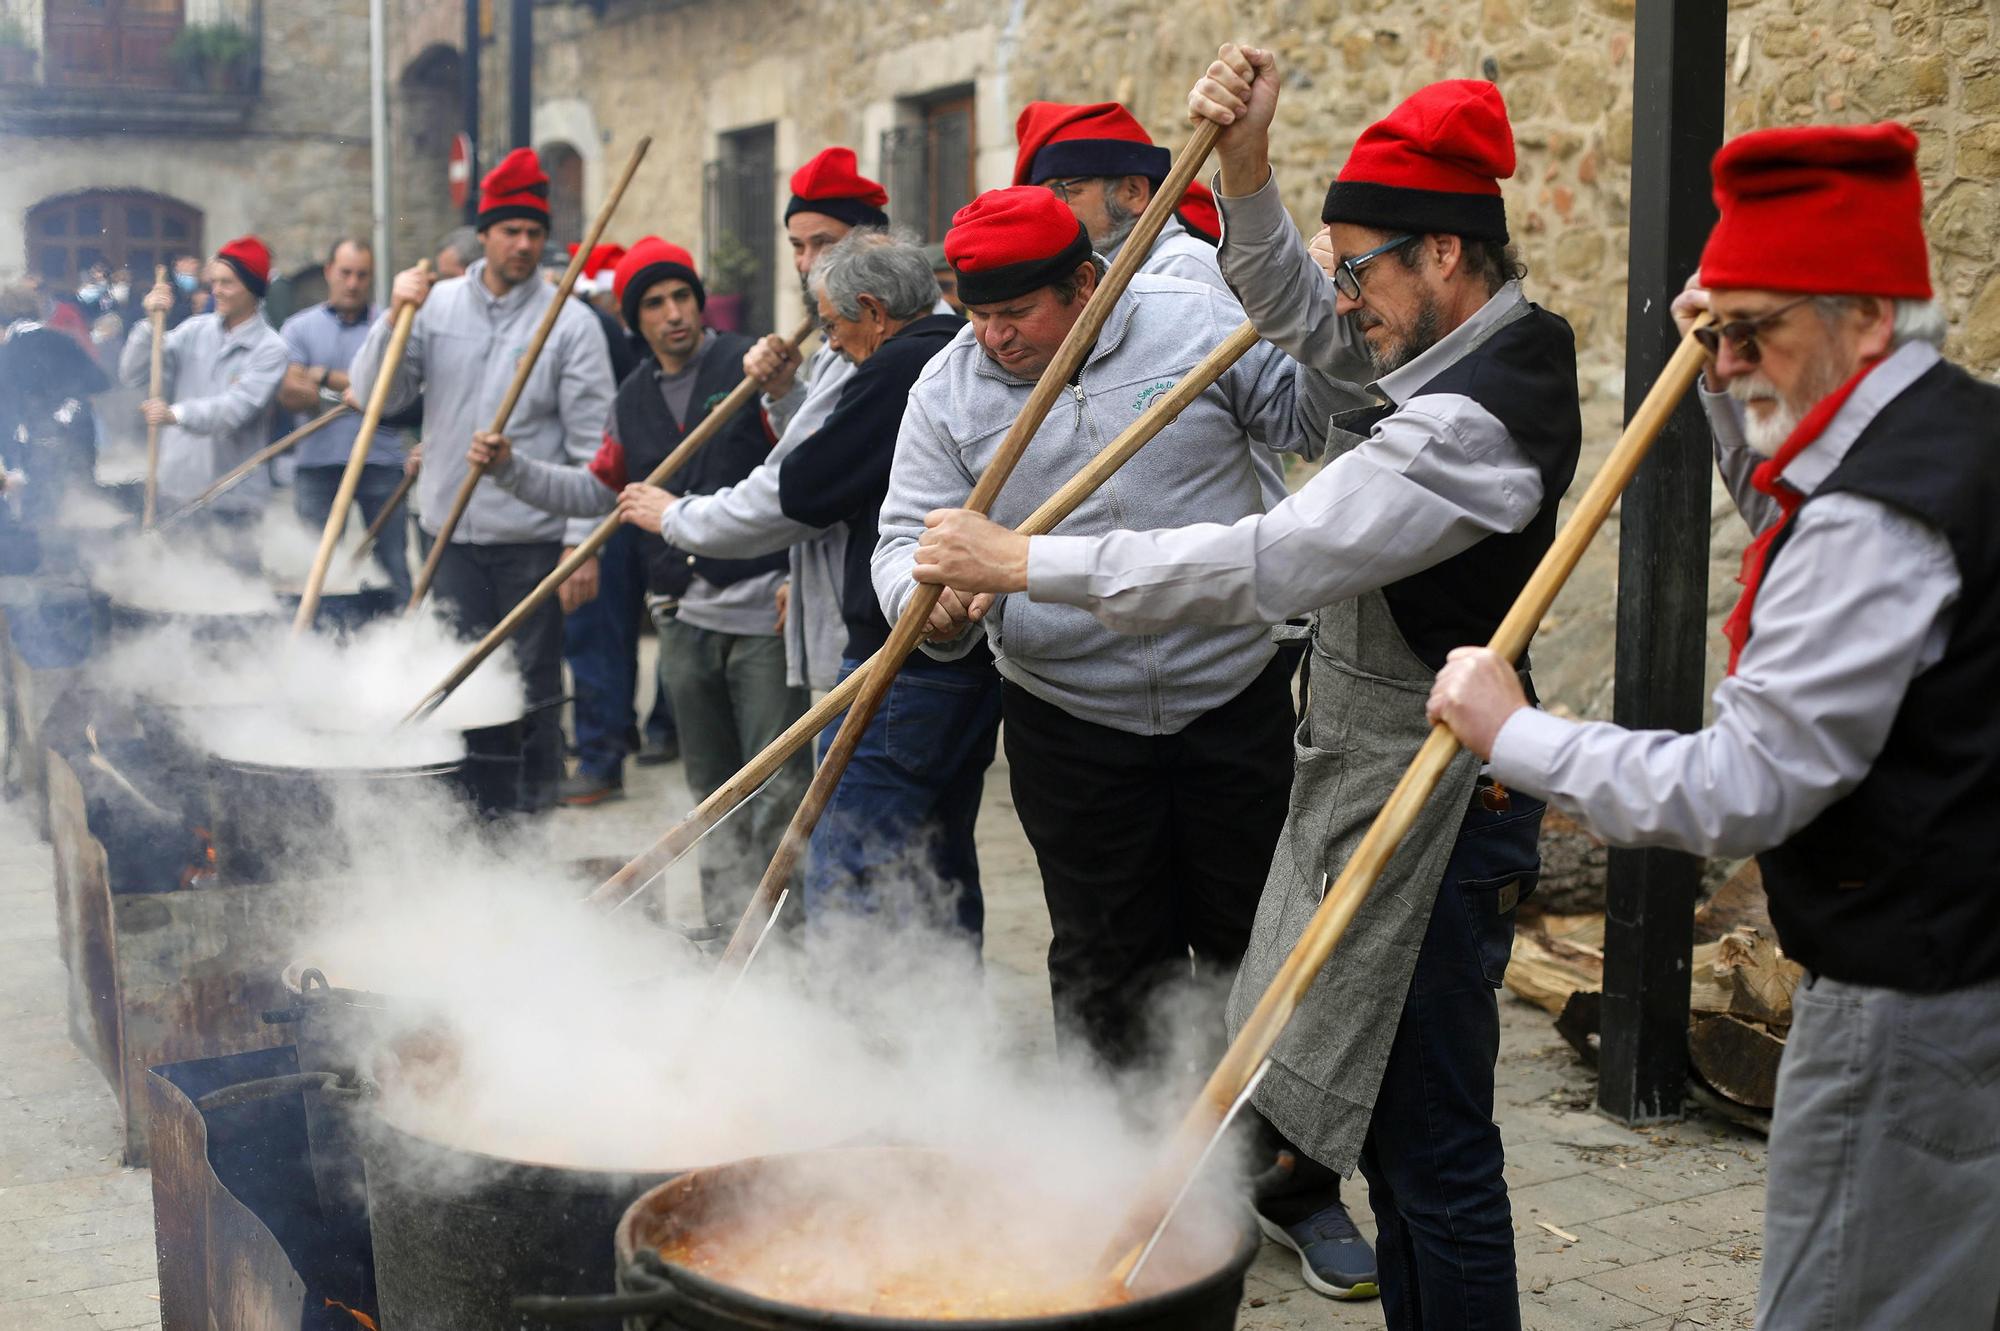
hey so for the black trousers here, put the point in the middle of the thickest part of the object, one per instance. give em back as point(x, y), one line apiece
point(478, 584)
point(1153, 851)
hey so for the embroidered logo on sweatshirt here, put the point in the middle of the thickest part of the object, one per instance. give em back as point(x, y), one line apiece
point(1149, 392)
point(714, 398)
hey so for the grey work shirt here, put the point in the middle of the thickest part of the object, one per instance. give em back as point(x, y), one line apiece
point(1200, 466)
point(463, 350)
point(319, 336)
point(1806, 714)
point(744, 520)
point(223, 385)
point(1433, 478)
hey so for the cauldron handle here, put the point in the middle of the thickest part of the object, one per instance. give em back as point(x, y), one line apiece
point(665, 1297)
point(263, 1088)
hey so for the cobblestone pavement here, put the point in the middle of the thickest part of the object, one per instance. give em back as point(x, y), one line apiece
point(1654, 1229)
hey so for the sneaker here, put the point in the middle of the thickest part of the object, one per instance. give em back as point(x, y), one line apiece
point(587, 788)
point(658, 753)
point(1333, 1256)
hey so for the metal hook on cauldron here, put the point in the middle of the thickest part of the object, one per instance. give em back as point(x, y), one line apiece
point(665, 1297)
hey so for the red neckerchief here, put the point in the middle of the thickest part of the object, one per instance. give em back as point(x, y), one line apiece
point(1767, 479)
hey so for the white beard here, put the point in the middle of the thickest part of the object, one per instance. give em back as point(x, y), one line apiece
point(1765, 431)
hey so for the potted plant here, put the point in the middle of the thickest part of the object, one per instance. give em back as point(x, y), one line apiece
point(17, 51)
point(731, 270)
point(212, 57)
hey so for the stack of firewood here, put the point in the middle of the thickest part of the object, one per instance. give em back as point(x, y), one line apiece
point(1740, 1005)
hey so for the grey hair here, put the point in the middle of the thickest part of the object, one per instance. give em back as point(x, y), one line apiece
point(1912, 320)
point(462, 241)
point(891, 266)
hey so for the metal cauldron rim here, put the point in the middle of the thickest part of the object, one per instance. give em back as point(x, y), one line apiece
point(778, 1312)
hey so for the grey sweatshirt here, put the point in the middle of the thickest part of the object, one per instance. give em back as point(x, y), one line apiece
point(1199, 469)
point(745, 520)
point(463, 350)
point(223, 385)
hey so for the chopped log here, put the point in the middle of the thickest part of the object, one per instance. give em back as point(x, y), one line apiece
point(1738, 1058)
point(1744, 974)
point(1739, 902)
point(1581, 1023)
point(1555, 957)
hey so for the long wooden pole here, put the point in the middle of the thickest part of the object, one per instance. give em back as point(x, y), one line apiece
point(527, 367)
point(235, 476)
point(357, 460)
point(710, 425)
point(159, 320)
point(909, 628)
point(1253, 1044)
point(374, 532)
point(1065, 501)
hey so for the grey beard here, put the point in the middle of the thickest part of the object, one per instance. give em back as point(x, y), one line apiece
point(1422, 337)
point(1122, 219)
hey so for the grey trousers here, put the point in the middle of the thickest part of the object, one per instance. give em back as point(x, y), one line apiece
point(730, 700)
point(1882, 1198)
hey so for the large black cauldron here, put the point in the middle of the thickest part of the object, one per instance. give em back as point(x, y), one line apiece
point(458, 1235)
point(657, 1296)
point(267, 820)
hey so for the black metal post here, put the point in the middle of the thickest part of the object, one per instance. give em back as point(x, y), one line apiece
point(520, 73)
point(469, 90)
point(1679, 63)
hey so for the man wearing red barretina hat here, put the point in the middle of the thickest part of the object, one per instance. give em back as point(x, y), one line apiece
point(468, 338)
point(1414, 539)
point(830, 199)
point(1149, 772)
point(721, 660)
point(221, 375)
point(1100, 161)
point(1851, 749)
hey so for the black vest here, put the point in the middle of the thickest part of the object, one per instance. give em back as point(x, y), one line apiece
point(1524, 374)
point(1898, 883)
point(649, 432)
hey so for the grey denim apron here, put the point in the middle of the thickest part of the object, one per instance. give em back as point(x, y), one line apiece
point(1364, 724)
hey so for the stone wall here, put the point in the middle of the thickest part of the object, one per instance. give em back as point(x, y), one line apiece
point(297, 175)
point(826, 71)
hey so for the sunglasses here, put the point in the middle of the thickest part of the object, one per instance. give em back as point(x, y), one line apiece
point(1741, 334)
point(1347, 273)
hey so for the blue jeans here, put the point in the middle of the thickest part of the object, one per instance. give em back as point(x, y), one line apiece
point(904, 810)
point(601, 644)
point(1432, 1158)
point(313, 490)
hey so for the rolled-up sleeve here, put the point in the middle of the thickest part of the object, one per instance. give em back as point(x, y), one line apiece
point(1858, 606)
point(1425, 485)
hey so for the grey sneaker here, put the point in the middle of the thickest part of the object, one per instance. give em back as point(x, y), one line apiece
point(1333, 1257)
point(590, 788)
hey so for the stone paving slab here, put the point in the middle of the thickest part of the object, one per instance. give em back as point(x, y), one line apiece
point(1666, 1221)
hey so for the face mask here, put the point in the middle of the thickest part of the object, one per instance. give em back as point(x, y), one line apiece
point(186, 282)
point(90, 294)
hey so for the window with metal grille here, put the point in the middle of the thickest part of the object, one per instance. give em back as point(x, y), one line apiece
point(928, 161)
point(739, 211)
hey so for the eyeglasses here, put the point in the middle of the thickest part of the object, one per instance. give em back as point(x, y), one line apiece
point(1742, 333)
point(1064, 189)
point(1347, 273)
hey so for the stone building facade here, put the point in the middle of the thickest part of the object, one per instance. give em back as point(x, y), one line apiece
point(278, 146)
point(695, 74)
